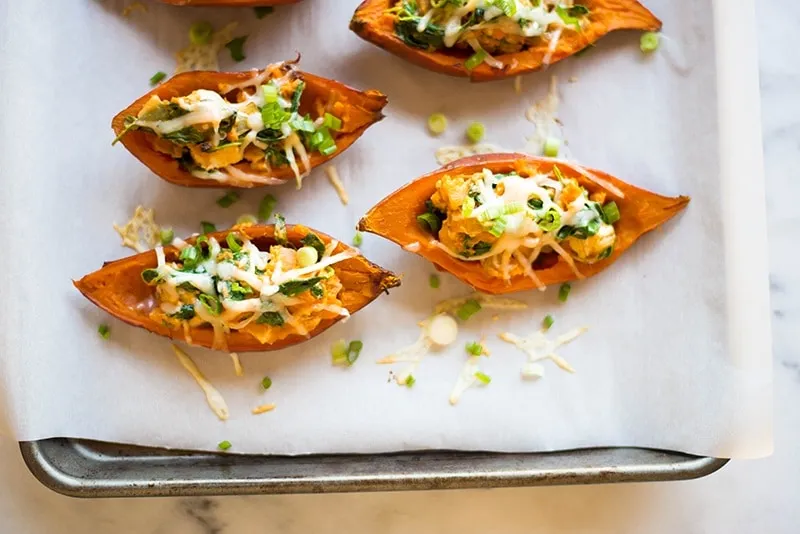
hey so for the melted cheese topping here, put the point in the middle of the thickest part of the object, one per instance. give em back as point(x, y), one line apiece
point(506, 221)
point(266, 294)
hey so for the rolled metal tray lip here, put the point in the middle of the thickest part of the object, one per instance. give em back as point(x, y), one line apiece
point(82, 468)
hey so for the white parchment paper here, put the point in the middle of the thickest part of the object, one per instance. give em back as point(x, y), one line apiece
point(662, 365)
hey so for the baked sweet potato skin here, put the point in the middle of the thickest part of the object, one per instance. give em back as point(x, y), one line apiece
point(373, 24)
point(118, 289)
point(229, 3)
point(395, 219)
point(364, 108)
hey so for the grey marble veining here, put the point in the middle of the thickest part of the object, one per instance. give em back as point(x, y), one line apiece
point(758, 496)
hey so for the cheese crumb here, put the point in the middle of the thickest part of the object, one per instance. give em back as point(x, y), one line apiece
point(449, 154)
point(237, 364)
point(141, 233)
point(263, 409)
point(213, 397)
point(204, 57)
point(333, 178)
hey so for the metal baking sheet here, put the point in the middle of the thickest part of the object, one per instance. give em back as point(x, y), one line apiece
point(80, 468)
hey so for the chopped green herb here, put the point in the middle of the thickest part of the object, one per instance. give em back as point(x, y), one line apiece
point(210, 303)
point(563, 292)
point(262, 12)
point(200, 33)
point(312, 240)
point(353, 351)
point(281, 236)
point(271, 319)
point(190, 256)
point(185, 313)
point(649, 42)
point(207, 227)
point(475, 132)
point(468, 309)
point(236, 47)
point(104, 331)
point(437, 123)
point(410, 381)
point(224, 445)
point(266, 382)
point(151, 276)
point(434, 281)
point(166, 235)
point(429, 222)
point(296, 287)
point(474, 348)
point(228, 199)
point(266, 207)
point(156, 78)
point(547, 322)
point(358, 239)
point(482, 377)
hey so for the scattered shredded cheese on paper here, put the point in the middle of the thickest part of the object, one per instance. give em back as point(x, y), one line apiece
point(237, 364)
point(206, 56)
point(263, 408)
point(489, 302)
point(448, 154)
point(538, 347)
point(336, 182)
point(141, 232)
point(213, 397)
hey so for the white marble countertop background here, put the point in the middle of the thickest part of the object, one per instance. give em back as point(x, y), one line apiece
point(744, 497)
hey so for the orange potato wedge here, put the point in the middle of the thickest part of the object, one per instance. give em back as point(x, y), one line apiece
point(362, 109)
point(373, 23)
point(118, 289)
point(395, 219)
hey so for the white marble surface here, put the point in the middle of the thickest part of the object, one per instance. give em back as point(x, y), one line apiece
point(758, 496)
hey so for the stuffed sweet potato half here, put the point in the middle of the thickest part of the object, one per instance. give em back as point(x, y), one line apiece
point(493, 39)
point(244, 129)
point(510, 222)
point(252, 288)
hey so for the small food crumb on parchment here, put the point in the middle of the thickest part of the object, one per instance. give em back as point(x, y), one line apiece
point(141, 233)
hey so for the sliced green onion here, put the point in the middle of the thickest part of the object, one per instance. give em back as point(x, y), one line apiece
point(468, 207)
point(482, 377)
point(211, 303)
point(262, 12)
point(156, 78)
point(234, 242)
point(429, 222)
point(307, 256)
point(224, 445)
point(611, 212)
point(150, 276)
point(437, 123)
point(228, 199)
point(535, 203)
point(509, 7)
point(475, 132)
point(190, 256)
point(353, 351)
point(332, 122)
point(606, 253)
point(550, 221)
point(207, 227)
point(166, 235)
point(270, 93)
point(236, 47)
point(358, 239)
point(513, 207)
point(491, 213)
point(266, 382)
point(649, 42)
point(266, 207)
point(563, 292)
point(433, 281)
point(104, 331)
point(410, 381)
point(498, 227)
point(327, 149)
point(475, 59)
point(247, 218)
point(474, 348)
point(551, 147)
point(200, 33)
point(547, 322)
point(468, 309)
point(339, 352)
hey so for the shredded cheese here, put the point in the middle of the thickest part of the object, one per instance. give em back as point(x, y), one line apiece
point(336, 182)
point(205, 56)
point(213, 397)
point(538, 347)
point(489, 302)
point(140, 233)
point(237, 364)
point(449, 154)
point(263, 408)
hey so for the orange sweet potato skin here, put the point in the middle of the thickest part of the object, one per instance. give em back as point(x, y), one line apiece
point(395, 219)
point(229, 3)
point(364, 110)
point(373, 24)
point(118, 289)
